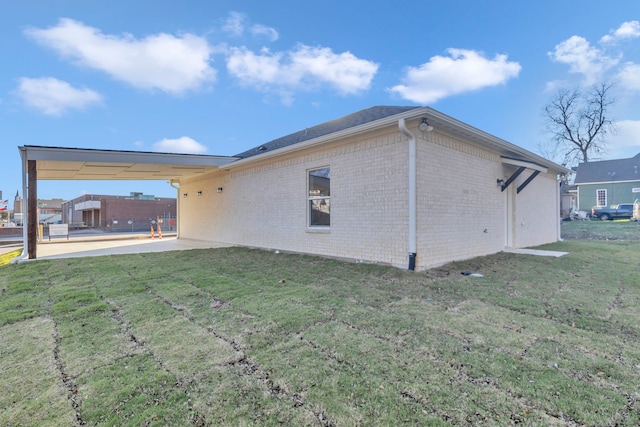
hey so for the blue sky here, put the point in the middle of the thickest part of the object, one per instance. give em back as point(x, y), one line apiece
point(221, 77)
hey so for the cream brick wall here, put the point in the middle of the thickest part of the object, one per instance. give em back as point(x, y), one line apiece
point(265, 205)
point(536, 214)
point(460, 207)
point(461, 210)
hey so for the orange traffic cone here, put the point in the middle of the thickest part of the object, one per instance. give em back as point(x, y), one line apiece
point(152, 236)
point(159, 232)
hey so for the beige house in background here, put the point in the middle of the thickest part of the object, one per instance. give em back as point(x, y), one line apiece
point(405, 186)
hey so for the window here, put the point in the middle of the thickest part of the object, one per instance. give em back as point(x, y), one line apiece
point(601, 197)
point(320, 197)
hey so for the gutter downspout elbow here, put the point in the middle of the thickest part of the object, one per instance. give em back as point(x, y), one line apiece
point(412, 194)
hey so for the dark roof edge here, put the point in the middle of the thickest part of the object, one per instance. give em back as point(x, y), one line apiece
point(349, 121)
point(348, 131)
point(136, 152)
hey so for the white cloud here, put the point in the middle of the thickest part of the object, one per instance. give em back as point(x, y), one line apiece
point(625, 141)
point(55, 97)
point(628, 30)
point(462, 71)
point(583, 58)
point(629, 77)
point(260, 70)
point(183, 145)
point(236, 24)
point(595, 63)
point(344, 71)
point(263, 30)
point(303, 68)
point(162, 61)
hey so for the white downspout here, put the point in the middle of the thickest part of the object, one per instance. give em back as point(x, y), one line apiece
point(559, 207)
point(412, 194)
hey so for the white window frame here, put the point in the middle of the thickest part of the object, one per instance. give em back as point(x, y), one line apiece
point(604, 191)
point(311, 198)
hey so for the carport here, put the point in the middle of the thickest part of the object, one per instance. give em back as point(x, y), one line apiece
point(60, 163)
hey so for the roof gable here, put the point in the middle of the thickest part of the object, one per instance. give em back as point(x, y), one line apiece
point(609, 170)
point(346, 122)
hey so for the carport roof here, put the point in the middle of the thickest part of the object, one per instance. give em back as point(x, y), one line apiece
point(63, 163)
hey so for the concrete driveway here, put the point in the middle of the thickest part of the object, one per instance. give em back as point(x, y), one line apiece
point(133, 244)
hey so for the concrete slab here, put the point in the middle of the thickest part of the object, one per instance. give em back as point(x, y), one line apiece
point(537, 252)
point(77, 248)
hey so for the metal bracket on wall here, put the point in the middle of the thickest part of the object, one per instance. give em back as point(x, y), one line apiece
point(513, 177)
point(527, 181)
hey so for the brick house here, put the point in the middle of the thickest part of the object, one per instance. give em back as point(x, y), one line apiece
point(404, 186)
point(119, 213)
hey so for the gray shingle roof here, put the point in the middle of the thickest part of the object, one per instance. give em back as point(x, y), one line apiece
point(346, 122)
point(609, 170)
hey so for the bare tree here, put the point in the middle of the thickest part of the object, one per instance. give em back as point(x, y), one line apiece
point(579, 123)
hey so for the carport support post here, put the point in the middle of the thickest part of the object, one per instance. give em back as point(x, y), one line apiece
point(32, 208)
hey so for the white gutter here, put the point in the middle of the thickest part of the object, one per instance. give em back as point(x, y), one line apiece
point(412, 193)
point(628, 181)
point(37, 152)
point(559, 207)
point(335, 136)
point(444, 123)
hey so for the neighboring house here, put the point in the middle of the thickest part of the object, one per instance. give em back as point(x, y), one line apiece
point(403, 186)
point(569, 200)
point(119, 213)
point(608, 182)
point(49, 211)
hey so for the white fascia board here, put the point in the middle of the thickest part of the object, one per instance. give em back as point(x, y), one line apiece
point(355, 130)
point(500, 145)
point(115, 156)
point(607, 182)
point(441, 122)
point(527, 165)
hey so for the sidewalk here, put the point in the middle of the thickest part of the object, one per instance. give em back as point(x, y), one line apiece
point(103, 245)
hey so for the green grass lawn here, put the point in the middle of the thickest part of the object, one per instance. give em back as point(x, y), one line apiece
point(240, 337)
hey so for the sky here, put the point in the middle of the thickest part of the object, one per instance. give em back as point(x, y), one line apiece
point(220, 77)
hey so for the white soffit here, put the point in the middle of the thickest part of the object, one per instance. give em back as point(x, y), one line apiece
point(522, 163)
point(56, 163)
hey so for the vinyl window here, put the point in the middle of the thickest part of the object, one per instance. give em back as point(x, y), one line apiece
point(601, 197)
point(319, 197)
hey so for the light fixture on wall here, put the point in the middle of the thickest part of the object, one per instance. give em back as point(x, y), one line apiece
point(425, 126)
point(199, 193)
point(219, 189)
point(184, 195)
point(500, 182)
